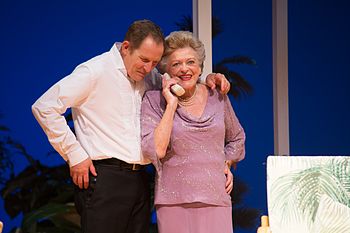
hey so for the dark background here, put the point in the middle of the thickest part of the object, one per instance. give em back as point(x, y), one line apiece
point(42, 41)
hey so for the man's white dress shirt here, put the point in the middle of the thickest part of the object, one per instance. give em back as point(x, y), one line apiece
point(106, 111)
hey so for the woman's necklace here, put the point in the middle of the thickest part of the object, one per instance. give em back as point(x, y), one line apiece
point(188, 101)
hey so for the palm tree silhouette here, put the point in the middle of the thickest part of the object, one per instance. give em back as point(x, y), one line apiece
point(43, 194)
point(239, 85)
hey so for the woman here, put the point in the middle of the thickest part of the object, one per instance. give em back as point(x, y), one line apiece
point(189, 139)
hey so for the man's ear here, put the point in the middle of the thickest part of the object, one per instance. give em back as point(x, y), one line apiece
point(125, 47)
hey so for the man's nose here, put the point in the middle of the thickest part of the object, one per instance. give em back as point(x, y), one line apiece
point(148, 67)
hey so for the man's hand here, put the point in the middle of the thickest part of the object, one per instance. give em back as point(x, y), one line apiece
point(80, 173)
point(217, 79)
point(229, 179)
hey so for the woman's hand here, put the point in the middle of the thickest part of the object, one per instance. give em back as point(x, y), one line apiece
point(229, 179)
point(170, 98)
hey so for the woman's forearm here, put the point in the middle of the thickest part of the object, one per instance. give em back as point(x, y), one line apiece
point(163, 131)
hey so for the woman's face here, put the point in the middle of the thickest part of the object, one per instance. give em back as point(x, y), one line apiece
point(184, 66)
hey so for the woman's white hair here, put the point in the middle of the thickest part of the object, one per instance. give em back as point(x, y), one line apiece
point(181, 39)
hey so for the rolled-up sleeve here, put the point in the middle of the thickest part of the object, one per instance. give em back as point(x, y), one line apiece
point(48, 110)
point(234, 134)
point(150, 118)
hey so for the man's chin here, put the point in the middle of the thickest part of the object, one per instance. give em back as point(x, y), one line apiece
point(138, 77)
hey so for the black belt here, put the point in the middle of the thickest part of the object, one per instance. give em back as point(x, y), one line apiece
point(120, 164)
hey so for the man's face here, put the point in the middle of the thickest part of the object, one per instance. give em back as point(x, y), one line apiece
point(141, 61)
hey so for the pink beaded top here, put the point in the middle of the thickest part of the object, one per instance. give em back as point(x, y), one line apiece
point(193, 167)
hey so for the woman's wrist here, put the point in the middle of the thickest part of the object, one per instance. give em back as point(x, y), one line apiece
point(171, 107)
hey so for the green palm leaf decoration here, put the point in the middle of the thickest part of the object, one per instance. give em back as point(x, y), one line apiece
point(331, 217)
point(296, 196)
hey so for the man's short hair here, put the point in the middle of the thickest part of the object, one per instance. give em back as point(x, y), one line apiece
point(140, 30)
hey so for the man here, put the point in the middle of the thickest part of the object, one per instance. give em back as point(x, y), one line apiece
point(106, 164)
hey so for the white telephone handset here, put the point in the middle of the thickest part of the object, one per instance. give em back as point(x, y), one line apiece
point(176, 88)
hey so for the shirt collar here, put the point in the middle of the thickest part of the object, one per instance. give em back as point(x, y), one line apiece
point(117, 58)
